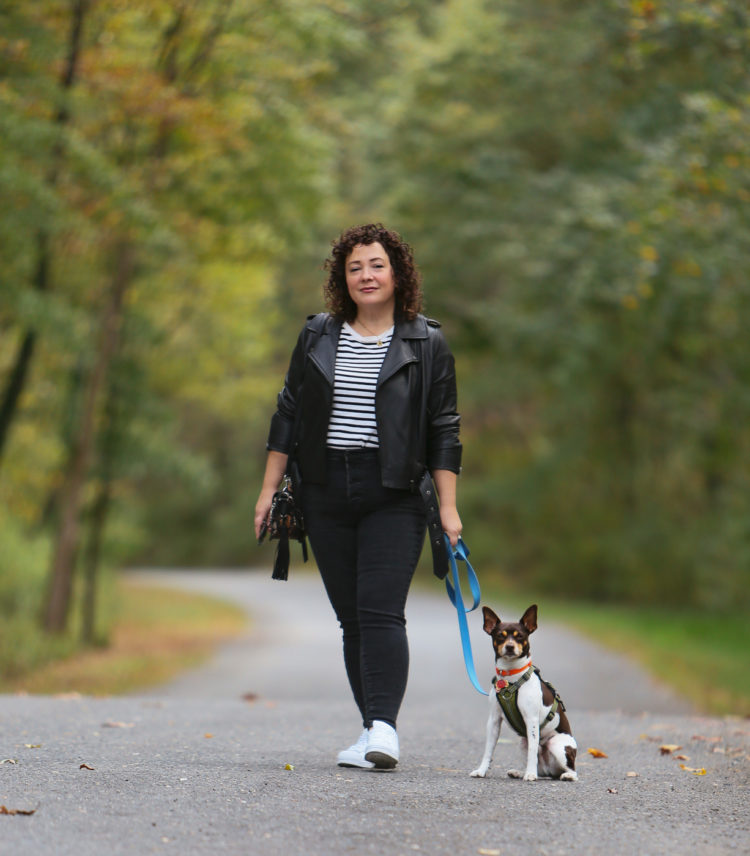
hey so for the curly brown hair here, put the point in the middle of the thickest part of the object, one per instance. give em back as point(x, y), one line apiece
point(406, 277)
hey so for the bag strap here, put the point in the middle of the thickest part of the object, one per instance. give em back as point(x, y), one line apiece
point(461, 552)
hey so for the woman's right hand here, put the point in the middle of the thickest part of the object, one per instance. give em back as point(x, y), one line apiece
point(263, 508)
point(275, 469)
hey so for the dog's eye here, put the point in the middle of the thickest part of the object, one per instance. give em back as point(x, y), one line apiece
point(503, 634)
point(516, 635)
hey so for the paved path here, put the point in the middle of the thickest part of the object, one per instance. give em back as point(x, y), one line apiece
point(192, 768)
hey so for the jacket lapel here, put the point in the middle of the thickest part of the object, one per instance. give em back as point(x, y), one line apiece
point(401, 350)
point(324, 352)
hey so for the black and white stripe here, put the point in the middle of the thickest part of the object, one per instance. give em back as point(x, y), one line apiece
point(358, 362)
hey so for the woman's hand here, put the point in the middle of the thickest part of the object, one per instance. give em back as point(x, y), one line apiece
point(451, 523)
point(445, 482)
point(262, 509)
point(275, 469)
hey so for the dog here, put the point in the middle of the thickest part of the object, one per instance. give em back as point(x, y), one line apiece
point(529, 704)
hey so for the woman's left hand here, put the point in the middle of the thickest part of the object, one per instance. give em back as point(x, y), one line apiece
point(451, 523)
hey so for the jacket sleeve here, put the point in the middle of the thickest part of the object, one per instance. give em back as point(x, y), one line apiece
point(282, 422)
point(443, 446)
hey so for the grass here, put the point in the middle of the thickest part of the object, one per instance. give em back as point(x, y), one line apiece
point(158, 632)
point(704, 657)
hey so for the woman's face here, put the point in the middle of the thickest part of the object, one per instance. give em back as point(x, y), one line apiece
point(369, 277)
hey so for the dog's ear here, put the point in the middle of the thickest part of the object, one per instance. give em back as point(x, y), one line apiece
point(490, 620)
point(529, 618)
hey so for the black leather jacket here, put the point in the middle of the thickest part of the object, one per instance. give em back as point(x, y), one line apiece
point(415, 404)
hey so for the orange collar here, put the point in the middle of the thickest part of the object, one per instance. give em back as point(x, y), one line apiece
point(512, 671)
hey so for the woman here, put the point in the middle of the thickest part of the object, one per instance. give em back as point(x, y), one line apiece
point(368, 410)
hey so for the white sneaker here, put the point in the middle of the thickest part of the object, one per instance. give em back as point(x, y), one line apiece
point(382, 746)
point(354, 756)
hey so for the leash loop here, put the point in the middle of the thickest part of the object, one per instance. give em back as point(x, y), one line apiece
point(461, 552)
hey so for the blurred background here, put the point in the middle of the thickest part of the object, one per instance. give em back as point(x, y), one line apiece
point(574, 177)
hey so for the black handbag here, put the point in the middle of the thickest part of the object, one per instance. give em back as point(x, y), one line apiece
point(285, 523)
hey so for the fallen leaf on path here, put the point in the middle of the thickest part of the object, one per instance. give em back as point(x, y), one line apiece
point(9, 811)
point(720, 750)
point(250, 697)
point(33, 745)
point(632, 775)
point(682, 757)
point(668, 748)
point(85, 767)
point(208, 736)
point(484, 851)
point(9, 761)
point(696, 771)
point(289, 766)
point(111, 724)
point(611, 790)
point(597, 753)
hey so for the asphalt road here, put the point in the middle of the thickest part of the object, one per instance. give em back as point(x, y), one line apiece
point(238, 756)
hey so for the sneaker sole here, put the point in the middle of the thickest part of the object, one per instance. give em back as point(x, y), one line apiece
point(381, 760)
point(360, 765)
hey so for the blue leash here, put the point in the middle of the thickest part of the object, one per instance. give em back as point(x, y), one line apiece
point(461, 552)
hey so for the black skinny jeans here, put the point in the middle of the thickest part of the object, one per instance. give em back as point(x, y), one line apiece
point(366, 540)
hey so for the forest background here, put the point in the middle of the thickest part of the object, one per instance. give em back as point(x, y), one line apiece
point(574, 177)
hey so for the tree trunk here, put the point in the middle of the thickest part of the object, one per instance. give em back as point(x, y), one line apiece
point(109, 446)
point(19, 374)
point(71, 490)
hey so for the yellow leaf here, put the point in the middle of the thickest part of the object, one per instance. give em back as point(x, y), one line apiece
point(696, 771)
point(208, 736)
point(289, 767)
point(486, 852)
point(597, 753)
point(668, 748)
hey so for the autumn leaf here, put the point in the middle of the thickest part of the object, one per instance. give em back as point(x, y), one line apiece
point(611, 790)
point(33, 745)
point(696, 771)
point(668, 748)
point(208, 736)
point(631, 775)
point(682, 757)
point(9, 761)
point(289, 766)
point(111, 724)
point(484, 851)
point(597, 753)
point(85, 767)
point(12, 811)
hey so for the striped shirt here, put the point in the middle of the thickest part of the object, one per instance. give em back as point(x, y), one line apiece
point(358, 361)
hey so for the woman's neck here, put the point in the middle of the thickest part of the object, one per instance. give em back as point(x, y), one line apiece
point(375, 322)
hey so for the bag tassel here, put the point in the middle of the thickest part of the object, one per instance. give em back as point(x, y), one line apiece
point(281, 562)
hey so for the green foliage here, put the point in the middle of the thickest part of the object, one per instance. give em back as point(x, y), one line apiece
point(23, 567)
point(574, 178)
point(578, 193)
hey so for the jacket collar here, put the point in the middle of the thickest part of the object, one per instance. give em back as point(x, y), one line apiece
point(416, 329)
point(400, 351)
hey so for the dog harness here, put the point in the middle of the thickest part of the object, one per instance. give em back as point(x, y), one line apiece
point(507, 698)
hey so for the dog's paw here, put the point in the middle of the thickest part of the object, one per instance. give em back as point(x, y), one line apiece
point(529, 777)
point(569, 776)
point(479, 773)
point(515, 774)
